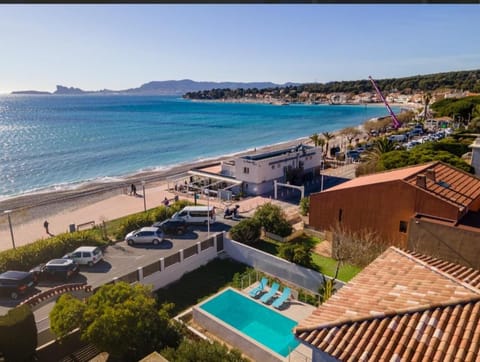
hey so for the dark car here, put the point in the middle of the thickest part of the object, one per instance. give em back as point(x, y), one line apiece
point(14, 283)
point(56, 269)
point(172, 227)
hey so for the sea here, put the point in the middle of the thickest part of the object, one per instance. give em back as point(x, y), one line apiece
point(59, 142)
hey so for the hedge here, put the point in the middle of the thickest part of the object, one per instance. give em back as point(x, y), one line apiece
point(141, 219)
point(28, 256)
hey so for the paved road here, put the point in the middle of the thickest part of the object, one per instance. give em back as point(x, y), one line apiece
point(121, 259)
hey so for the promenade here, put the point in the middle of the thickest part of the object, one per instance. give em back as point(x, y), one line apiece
point(111, 208)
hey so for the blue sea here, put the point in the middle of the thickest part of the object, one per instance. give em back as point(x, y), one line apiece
point(55, 142)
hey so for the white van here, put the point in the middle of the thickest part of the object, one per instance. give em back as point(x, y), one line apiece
point(196, 214)
point(85, 255)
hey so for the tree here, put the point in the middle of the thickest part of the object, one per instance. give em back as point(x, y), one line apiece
point(246, 231)
point(273, 219)
point(315, 138)
point(328, 136)
point(296, 252)
point(18, 335)
point(120, 319)
point(202, 350)
point(426, 101)
point(67, 312)
point(350, 133)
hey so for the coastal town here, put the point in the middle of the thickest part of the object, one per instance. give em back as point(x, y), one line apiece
point(278, 217)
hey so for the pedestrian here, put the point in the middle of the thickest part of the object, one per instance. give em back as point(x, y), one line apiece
point(166, 202)
point(45, 225)
point(133, 190)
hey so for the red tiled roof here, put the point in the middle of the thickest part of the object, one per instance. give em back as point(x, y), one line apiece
point(451, 184)
point(405, 307)
point(379, 177)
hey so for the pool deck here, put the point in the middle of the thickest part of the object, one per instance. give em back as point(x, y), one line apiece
point(297, 311)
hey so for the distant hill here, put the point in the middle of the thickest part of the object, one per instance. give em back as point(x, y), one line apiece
point(31, 92)
point(167, 87)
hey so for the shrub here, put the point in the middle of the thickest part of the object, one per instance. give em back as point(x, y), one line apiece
point(298, 253)
point(246, 231)
point(141, 219)
point(304, 206)
point(18, 334)
point(202, 350)
point(27, 256)
point(272, 218)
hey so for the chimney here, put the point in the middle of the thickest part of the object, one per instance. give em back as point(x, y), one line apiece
point(422, 181)
point(431, 174)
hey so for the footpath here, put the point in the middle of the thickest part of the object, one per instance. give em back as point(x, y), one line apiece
point(109, 209)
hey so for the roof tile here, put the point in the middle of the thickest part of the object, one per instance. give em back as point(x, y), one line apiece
point(442, 325)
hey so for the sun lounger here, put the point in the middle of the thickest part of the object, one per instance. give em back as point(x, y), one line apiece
point(273, 290)
point(258, 289)
point(281, 299)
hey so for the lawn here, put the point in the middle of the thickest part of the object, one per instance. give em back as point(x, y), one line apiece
point(200, 283)
point(323, 264)
point(328, 266)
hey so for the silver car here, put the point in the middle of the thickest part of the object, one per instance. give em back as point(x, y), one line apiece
point(145, 235)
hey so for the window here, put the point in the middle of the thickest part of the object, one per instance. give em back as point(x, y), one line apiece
point(403, 226)
point(246, 170)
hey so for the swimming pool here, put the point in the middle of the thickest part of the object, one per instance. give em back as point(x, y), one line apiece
point(264, 325)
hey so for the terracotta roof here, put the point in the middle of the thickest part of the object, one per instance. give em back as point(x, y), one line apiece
point(385, 176)
point(451, 184)
point(404, 307)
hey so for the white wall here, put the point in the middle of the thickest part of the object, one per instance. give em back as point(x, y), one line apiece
point(177, 270)
point(296, 274)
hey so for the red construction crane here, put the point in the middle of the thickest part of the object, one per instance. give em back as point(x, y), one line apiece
point(396, 122)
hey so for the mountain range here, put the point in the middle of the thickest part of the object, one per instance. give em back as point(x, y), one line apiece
point(167, 87)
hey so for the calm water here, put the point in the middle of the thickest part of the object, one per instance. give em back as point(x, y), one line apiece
point(264, 325)
point(61, 141)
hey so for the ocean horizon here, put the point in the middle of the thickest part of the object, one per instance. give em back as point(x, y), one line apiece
point(63, 142)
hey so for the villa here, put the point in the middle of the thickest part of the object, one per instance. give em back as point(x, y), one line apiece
point(404, 306)
point(432, 208)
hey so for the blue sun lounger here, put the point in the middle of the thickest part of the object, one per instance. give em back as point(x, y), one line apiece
point(273, 290)
point(259, 288)
point(281, 299)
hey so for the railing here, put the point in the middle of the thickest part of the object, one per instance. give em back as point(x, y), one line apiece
point(46, 296)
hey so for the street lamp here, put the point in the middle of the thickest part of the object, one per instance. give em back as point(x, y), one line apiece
point(208, 212)
point(144, 196)
point(10, 226)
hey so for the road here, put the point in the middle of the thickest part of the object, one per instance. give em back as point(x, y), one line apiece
point(120, 259)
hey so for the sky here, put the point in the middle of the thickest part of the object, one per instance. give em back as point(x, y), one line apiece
point(124, 46)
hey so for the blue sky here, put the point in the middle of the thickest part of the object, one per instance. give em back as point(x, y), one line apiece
point(123, 46)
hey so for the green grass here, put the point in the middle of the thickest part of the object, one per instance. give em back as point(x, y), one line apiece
point(323, 264)
point(200, 283)
point(328, 266)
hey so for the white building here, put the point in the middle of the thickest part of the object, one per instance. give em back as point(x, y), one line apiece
point(476, 155)
point(258, 171)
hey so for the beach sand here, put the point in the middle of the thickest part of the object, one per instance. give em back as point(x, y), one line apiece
point(98, 202)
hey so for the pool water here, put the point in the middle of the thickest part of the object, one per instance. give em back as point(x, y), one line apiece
point(263, 324)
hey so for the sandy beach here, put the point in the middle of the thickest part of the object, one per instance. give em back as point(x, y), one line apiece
point(98, 202)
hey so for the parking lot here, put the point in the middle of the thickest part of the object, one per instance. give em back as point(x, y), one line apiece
point(120, 259)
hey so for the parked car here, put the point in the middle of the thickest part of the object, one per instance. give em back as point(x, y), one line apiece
point(145, 235)
point(56, 269)
point(354, 155)
point(85, 255)
point(14, 283)
point(172, 227)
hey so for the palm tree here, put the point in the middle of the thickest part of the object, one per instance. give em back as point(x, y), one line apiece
point(315, 138)
point(380, 146)
point(328, 136)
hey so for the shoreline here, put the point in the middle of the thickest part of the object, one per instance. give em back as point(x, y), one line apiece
point(30, 206)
